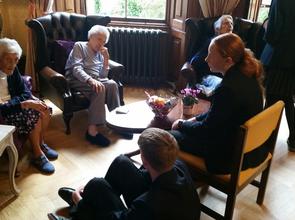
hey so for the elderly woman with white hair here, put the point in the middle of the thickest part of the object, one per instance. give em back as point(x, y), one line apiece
point(87, 71)
point(223, 25)
point(18, 107)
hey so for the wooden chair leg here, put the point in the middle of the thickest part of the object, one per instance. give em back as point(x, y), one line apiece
point(230, 206)
point(262, 187)
point(121, 93)
point(67, 118)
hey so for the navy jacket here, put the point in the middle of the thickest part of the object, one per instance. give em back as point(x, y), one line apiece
point(18, 92)
point(280, 33)
point(237, 99)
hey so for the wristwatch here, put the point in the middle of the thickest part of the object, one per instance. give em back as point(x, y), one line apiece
point(180, 124)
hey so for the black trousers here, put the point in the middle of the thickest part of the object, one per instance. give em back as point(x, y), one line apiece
point(102, 195)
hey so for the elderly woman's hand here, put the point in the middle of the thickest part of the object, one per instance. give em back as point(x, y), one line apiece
point(37, 105)
point(105, 53)
point(96, 85)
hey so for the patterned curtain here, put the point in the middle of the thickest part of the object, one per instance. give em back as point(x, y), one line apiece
point(214, 8)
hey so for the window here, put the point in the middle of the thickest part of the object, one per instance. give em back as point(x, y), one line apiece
point(263, 10)
point(258, 10)
point(128, 9)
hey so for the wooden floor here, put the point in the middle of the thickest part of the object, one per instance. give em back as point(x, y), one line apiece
point(79, 161)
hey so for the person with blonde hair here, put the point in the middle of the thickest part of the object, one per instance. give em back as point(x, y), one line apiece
point(161, 189)
point(87, 70)
point(18, 107)
point(238, 98)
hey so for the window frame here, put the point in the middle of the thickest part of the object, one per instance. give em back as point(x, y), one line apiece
point(140, 22)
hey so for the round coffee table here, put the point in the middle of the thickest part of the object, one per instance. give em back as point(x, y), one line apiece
point(140, 116)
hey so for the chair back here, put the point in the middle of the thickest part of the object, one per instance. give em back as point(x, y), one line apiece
point(261, 127)
point(57, 26)
point(199, 30)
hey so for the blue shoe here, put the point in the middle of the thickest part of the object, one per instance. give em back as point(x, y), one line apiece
point(98, 139)
point(50, 153)
point(43, 164)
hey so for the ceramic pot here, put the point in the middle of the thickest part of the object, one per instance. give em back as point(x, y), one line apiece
point(187, 110)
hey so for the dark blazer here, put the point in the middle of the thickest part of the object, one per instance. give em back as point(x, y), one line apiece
point(236, 100)
point(18, 92)
point(172, 196)
point(280, 33)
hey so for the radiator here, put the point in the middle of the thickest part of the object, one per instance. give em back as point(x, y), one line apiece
point(143, 52)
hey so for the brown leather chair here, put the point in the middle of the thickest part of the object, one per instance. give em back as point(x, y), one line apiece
point(199, 30)
point(54, 36)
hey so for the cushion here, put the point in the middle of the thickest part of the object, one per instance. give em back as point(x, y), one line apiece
point(61, 51)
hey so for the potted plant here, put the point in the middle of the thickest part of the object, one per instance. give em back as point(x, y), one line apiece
point(189, 98)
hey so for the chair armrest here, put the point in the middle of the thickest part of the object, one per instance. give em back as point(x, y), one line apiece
point(187, 71)
point(57, 80)
point(28, 81)
point(116, 70)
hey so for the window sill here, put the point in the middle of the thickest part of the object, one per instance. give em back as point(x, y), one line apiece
point(142, 24)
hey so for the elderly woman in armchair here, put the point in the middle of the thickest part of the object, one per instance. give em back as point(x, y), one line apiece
point(19, 108)
point(197, 63)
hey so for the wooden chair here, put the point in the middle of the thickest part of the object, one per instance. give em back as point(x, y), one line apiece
point(262, 129)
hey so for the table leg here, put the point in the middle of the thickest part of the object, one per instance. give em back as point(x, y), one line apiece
point(13, 159)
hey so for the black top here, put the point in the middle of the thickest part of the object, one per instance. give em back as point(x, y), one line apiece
point(18, 92)
point(280, 33)
point(237, 99)
point(172, 196)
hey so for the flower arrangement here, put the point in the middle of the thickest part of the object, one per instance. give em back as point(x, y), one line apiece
point(189, 96)
point(161, 106)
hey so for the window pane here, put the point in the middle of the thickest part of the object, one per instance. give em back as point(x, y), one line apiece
point(113, 8)
point(143, 9)
point(146, 9)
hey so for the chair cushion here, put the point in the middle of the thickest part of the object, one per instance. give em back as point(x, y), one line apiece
point(198, 163)
point(61, 51)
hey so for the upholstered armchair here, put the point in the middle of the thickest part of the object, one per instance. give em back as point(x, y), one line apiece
point(198, 31)
point(53, 37)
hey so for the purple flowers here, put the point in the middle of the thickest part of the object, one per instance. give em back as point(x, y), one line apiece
point(189, 96)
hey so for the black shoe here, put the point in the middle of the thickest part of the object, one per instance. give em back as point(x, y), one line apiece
point(52, 216)
point(126, 135)
point(291, 145)
point(66, 194)
point(98, 139)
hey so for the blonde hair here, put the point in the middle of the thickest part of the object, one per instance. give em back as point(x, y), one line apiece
point(8, 45)
point(159, 148)
point(99, 29)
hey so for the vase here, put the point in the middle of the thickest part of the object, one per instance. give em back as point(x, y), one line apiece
point(187, 110)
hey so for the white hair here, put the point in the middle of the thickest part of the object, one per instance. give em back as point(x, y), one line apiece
point(98, 29)
point(10, 46)
point(218, 23)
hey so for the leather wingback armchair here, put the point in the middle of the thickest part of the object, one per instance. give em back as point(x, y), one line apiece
point(54, 36)
point(199, 31)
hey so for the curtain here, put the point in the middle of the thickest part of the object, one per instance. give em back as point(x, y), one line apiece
point(214, 8)
point(36, 8)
